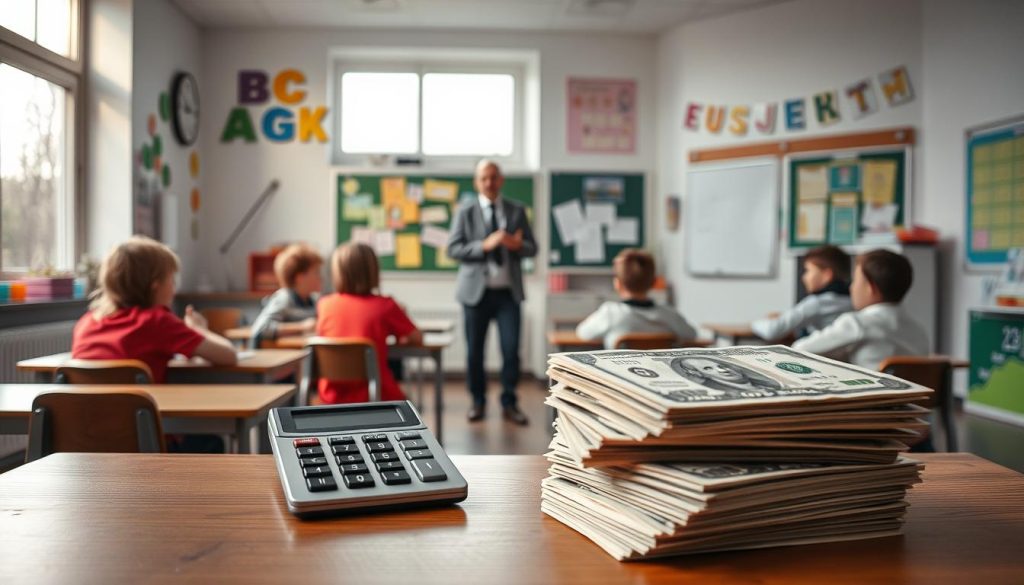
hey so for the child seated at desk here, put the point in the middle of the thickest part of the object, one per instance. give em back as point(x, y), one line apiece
point(635, 312)
point(130, 316)
point(827, 280)
point(879, 327)
point(291, 310)
point(356, 310)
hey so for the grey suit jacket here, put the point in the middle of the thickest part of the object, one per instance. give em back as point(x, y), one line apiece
point(465, 244)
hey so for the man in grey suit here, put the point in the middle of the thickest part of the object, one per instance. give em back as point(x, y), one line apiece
point(489, 236)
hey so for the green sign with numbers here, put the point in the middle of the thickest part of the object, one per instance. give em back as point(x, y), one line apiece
point(997, 362)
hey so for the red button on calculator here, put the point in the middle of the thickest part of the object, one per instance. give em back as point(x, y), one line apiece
point(310, 442)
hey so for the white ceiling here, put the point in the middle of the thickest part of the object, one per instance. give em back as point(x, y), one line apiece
point(625, 16)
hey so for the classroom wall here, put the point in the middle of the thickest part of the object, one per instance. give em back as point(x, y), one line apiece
point(304, 208)
point(770, 54)
point(972, 76)
point(171, 44)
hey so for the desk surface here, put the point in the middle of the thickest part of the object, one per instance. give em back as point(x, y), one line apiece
point(259, 360)
point(424, 325)
point(431, 341)
point(182, 400)
point(198, 519)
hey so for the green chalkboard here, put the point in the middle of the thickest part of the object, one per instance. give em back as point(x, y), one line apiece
point(997, 361)
point(417, 210)
point(831, 198)
point(616, 200)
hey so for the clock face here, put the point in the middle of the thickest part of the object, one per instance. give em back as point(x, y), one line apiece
point(185, 108)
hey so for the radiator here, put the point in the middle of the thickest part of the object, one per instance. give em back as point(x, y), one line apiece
point(20, 343)
point(454, 356)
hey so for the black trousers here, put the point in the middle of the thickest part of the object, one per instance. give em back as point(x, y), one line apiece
point(501, 306)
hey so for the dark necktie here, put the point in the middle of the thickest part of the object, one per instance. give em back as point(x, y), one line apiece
point(495, 254)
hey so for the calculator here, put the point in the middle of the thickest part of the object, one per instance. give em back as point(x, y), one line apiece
point(360, 457)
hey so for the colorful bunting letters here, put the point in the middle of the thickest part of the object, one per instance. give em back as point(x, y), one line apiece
point(278, 124)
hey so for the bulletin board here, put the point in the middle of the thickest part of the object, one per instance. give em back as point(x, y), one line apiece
point(847, 197)
point(731, 211)
point(407, 218)
point(995, 192)
point(594, 216)
point(996, 380)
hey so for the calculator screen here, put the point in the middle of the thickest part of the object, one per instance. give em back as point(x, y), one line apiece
point(336, 419)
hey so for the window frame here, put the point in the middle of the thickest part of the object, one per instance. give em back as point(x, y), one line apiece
point(342, 64)
point(66, 72)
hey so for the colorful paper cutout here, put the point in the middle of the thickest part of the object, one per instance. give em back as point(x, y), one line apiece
point(408, 253)
point(436, 190)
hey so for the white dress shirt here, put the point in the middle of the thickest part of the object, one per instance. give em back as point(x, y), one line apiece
point(813, 313)
point(867, 337)
point(613, 319)
point(497, 276)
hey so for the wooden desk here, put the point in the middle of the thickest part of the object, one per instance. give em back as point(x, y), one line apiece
point(110, 518)
point(231, 409)
point(733, 334)
point(243, 334)
point(569, 341)
point(263, 366)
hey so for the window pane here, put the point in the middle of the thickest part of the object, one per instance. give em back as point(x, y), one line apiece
point(468, 114)
point(55, 26)
point(379, 112)
point(19, 16)
point(32, 170)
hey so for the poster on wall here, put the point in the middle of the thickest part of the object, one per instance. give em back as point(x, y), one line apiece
point(601, 116)
point(995, 192)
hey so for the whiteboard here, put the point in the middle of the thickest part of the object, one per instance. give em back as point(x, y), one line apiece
point(732, 213)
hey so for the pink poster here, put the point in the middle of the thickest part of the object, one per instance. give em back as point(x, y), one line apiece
point(602, 116)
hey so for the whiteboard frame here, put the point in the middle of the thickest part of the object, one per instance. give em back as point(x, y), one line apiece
point(762, 161)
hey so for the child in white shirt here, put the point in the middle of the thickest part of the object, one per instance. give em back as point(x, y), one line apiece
point(635, 312)
point(879, 328)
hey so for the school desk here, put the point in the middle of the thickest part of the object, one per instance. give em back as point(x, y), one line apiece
point(243, 334)
point(114, 518)
point(219, 409)
point(261, 366)
point(734, 334)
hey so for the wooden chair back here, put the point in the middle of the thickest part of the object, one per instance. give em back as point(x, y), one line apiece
point(103, 372)
point(646, 341)
point(220, 319)
point(340, 358)
point(123, 420)
point(930, 372)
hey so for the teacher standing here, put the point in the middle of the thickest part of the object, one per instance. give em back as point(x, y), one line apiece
point(490, 235)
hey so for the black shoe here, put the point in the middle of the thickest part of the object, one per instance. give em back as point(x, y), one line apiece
point(513, 414)
point(476, 413)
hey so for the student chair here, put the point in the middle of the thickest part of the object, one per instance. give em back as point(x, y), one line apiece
point(103, 372)
point(94, 421)
point(349, 359)
point(221, 319)
point(930, 372)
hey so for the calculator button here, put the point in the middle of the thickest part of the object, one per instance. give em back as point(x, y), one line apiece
point(321, 484)
point(313, 461)
point(380, 446)
point(414, 444)
point(345, 449)
point(429, 470)
point(377, 437)
point(395, 477)
point(389, 465)
point(353, 468)
point(340, 440)
point(383, 456)
point(418, 454)
point(350, 458)
point(356, 481)
point(309, 442)
point(318, 471)
point(406, 435)
point(310, 452)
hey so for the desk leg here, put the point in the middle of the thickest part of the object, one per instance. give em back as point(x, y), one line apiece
point(242, 436)
point(43, 377)
point(419, 383)
point(438, 395)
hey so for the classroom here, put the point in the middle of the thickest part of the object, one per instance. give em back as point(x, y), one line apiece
point(238, 234)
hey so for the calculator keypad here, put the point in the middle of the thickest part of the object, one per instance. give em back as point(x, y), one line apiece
point(355, 470)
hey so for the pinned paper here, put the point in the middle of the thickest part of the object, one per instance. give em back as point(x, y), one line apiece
point(384, 242)
point(376, 218)
point(440, 190)
point(604, 189)
point(844, 177)
point(414, 192)
point(879, 218)
point(879, 182)
point(356, 207)
point(392, 191)
point(395, 219)
point(569, 220)
point(625, 230)
point(434, 237)
point(443, 260)
point(362, 235)
point(810, 221)
point(350, 186)
point(842, 224)
point(408, 253)
point(589, 248)
point(812, 183)
point(601, 213)
point(410, 212)
point(433, 214)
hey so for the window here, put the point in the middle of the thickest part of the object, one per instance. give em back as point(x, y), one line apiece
point(437, 109)
point(39, 82)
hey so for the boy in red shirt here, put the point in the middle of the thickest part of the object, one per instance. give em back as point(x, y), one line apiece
point(355, 310)
point(130, 318)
